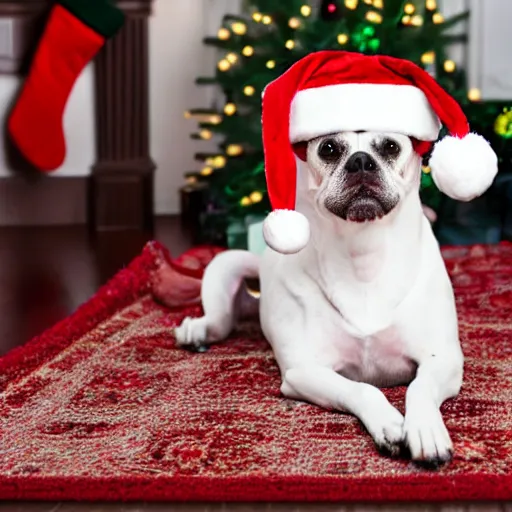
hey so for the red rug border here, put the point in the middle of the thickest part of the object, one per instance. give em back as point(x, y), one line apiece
point(425, 487)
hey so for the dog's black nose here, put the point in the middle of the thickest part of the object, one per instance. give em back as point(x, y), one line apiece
point(360, 161)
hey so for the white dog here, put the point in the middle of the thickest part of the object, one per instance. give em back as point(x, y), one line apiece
point(367, 304)
point(354, 292)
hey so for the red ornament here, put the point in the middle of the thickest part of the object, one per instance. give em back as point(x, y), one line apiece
point(331, 8)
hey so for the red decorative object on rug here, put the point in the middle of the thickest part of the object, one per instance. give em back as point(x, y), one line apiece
point(103, 406)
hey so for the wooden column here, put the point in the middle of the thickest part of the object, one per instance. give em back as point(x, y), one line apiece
point(121, 191)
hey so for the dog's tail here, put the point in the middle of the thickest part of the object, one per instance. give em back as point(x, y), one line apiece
point(225, 298)
point(223, 292)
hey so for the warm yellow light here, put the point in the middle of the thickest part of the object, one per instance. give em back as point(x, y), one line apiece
point(219, 161)
point(249, 90)
point(428, 58)
point(417, 20)
point(437, 18)
point(229, 109)
point(378, 4)
point(271, 64)
point(247, 51)
point(256, 16)
point(215, 119)
point(234, 150)
point(187, 114)
point(426, 169)
point(206, 171)
point(267, 20)
point(245, 201)
point(431, 5)
point(239, 28)
point(290, 44)
point(351, 4)
point(374, 17)
point(474, 94)
point(369, 2)
point(191, 180)
point(223, 64)
point(305, 10)
point(256, 196)
point(223, 34)
point(205, 134)
point(342, 38)
point(409, 8)
point(406, 19)
point(232, 57)
point(449, 66)
point(294, 23)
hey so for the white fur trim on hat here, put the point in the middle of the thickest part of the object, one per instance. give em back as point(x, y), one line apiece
point(463, 168)
point(286, 231)
point(370, 107)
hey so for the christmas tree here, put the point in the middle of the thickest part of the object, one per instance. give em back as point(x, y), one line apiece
point(257, 47)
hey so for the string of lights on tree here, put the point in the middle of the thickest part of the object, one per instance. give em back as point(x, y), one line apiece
point(256, 48)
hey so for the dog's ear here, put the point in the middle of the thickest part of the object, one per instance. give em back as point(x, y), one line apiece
point(420, 146)
point(301, 150)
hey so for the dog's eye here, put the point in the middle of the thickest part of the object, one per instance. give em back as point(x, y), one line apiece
point(329, 150)
point(389, 148)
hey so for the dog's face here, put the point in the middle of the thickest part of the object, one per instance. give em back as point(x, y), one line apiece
point(361, 176)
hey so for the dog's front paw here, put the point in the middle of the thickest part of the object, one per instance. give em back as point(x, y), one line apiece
point(388, 432)
point(192, 332)
point(385, 424)
point(426, 436)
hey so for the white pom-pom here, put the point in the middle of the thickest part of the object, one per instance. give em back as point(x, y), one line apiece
point(286, 231)
point(463, 168)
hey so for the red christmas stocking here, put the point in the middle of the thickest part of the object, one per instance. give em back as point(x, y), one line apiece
point(75, 31)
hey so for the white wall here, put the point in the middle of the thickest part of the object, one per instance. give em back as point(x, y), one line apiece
point(487, 55)
point(78, 124)
point(177, 57)
point(490, 41)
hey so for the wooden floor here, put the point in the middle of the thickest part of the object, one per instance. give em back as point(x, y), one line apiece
point(45, 273)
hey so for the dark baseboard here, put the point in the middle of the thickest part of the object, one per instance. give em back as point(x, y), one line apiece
point(120, 201)
point(37, 201)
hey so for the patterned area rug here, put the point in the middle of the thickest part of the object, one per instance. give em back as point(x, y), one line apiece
point(104, 407)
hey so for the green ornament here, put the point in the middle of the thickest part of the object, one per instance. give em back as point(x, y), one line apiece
point(374, 44)
point(368, 31)
point(426, 178)
point(503, 124)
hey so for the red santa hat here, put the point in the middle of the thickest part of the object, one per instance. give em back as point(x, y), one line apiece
point(333, 91)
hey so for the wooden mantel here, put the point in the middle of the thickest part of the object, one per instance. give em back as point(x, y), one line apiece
point(119, 192)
